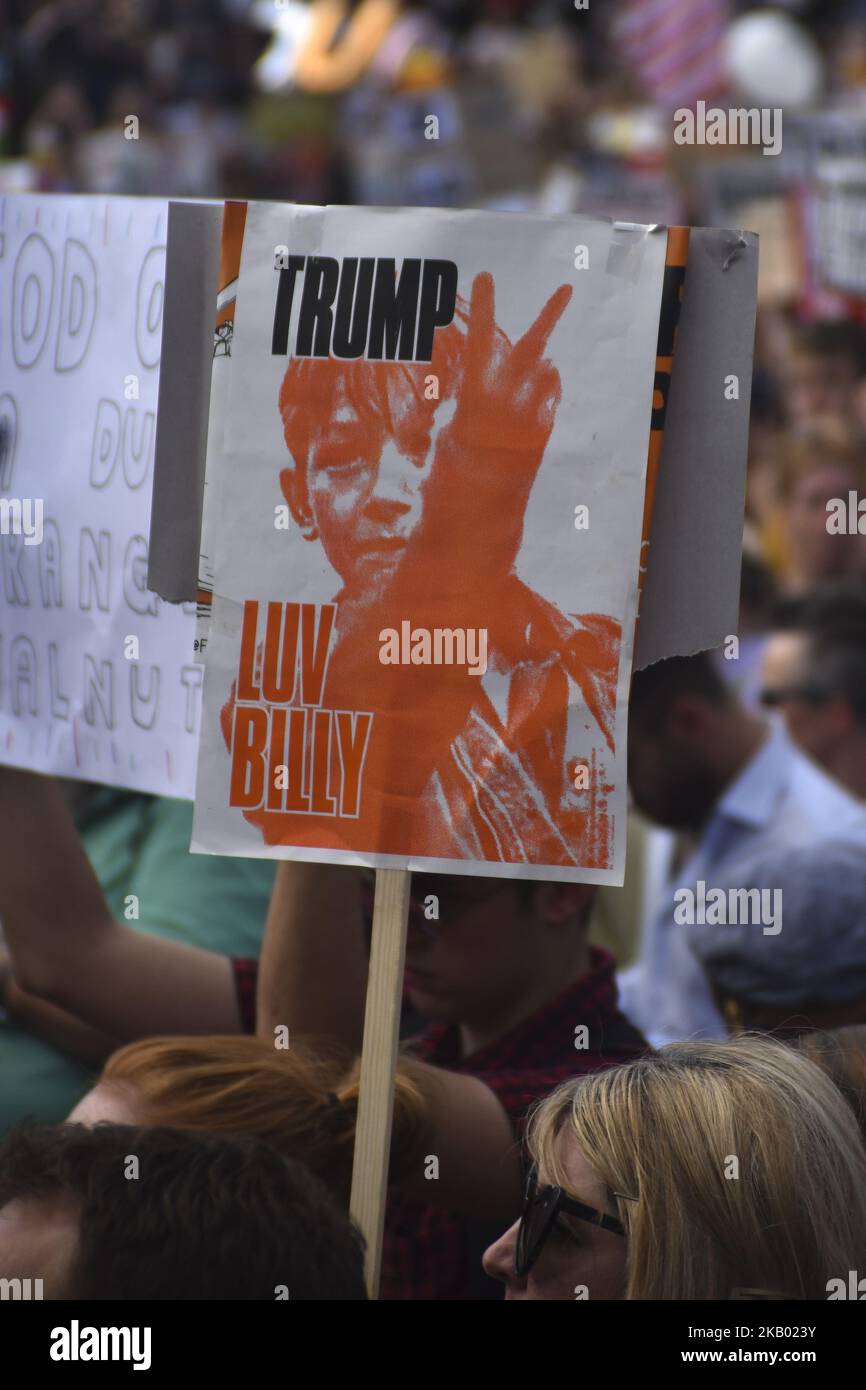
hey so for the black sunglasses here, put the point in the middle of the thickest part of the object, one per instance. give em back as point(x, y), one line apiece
point(542, 1207)
point(771, 697)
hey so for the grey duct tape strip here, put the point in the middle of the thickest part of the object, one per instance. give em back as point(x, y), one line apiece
point(725, 247)
point(627, 242)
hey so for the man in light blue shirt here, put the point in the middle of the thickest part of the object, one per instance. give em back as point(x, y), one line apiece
point(728, 787)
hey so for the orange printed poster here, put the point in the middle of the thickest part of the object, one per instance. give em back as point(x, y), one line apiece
point(425, 530)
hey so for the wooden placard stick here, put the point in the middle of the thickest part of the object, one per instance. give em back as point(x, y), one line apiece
point(378, 1065)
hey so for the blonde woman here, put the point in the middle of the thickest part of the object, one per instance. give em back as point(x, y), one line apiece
point(705, 1171)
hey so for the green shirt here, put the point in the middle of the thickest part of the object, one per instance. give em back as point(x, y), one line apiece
point(139, 848)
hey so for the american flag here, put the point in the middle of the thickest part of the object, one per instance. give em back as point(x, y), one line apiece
point(675, 47)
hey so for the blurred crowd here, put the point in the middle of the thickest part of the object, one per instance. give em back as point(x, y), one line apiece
point(563, 104)
point(688, 1091)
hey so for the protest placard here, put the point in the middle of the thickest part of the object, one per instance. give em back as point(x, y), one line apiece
point(97, 679)
point(426, 553)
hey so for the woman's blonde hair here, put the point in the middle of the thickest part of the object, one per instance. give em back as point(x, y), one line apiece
point(301, 1100)
point(734, 1166)
point(841, 1053)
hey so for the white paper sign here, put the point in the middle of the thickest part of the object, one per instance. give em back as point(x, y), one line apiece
point(96, 676)
point(431, 495)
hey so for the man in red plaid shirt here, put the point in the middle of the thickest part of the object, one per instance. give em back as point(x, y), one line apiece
point(517, 1001)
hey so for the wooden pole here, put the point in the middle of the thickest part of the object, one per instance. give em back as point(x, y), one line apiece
point(378, 1064)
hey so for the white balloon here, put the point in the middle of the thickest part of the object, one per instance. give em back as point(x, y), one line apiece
point(772, 60)
point(289, 20)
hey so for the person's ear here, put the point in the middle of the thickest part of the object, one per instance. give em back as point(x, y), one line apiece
point(298, 498)
point(567, 902)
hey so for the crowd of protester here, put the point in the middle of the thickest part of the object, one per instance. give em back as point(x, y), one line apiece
point(596, 1097)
